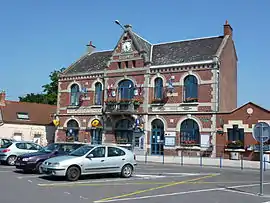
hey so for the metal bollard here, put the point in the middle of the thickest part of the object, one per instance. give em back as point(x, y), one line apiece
point(200, 160)
point(220, 162)
point(145, 160)
point(242, 163)
point(163, 157)
point(182, 159)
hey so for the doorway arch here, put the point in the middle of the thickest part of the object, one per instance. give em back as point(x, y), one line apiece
point(157, 137)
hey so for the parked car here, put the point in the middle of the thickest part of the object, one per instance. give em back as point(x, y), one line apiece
point(11, 150)
point(33, 161)
point(92, 159)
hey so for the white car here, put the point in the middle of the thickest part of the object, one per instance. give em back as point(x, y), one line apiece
point(92, 159)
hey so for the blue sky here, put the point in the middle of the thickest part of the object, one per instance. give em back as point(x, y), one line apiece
point(37, 37)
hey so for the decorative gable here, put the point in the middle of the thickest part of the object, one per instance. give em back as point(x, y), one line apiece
point(131, 51)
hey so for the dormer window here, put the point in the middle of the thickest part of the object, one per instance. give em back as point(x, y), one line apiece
point(22, 116)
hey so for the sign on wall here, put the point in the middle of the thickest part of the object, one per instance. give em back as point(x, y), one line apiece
point(169, 141)
point(205, 140)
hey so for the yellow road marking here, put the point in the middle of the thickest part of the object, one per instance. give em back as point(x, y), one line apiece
point(155, 188)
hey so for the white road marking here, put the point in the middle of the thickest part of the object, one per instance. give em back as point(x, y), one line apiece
point(81, 197)
point(187, 192)
point(240, 192)
point(30, 176)
point(30, 181)
point(82, 182)
point(191, 174)
point(5, 171)
point(161, 195)
point(67, 193)
point(149, 176)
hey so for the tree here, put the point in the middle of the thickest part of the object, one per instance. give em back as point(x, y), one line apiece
point(50, 91)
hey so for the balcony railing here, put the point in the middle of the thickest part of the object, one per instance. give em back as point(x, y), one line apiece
point(122, 105)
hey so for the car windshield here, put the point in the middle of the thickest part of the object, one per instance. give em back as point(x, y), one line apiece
point(81, 151)
point(49, 148)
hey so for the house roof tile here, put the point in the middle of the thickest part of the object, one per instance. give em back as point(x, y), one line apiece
point(39, 114)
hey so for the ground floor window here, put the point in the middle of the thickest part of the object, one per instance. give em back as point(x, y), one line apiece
point(235, 137)
point(72, 133)
point(124, 132)
point(189, 133)
point(96, 136)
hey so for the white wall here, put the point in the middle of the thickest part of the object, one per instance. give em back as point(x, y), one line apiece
point(28, 132)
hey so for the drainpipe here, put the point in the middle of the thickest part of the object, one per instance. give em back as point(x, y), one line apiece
point(216, 104)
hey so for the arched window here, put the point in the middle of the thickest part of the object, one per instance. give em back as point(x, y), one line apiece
point(98, 93)
point(126, 89)
point(157, 138)
point(74, 95)
point(158, 88)
point(189, 133)
point(190, 89)
point(124, 132)
point(72, 130)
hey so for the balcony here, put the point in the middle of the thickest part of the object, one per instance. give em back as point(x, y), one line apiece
point(127, 106)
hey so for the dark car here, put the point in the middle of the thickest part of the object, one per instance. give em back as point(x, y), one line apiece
point(32, 161)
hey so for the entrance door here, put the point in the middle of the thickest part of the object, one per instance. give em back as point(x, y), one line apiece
point(156, 144)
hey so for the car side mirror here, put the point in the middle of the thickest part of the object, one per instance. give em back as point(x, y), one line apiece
point(90, 156)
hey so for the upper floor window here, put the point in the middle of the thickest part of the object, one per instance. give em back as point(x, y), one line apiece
point(158, 88)
point(126, 89)
point(74, 95)
point(22, 115)
point(190, 89)
point(98, 93)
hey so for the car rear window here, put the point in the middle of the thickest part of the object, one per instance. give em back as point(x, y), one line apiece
point(6, 145)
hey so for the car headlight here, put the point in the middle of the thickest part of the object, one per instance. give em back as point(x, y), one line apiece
point(55, 164)
point(25, 159)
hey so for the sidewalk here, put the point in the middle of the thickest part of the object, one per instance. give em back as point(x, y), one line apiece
point(203, 161)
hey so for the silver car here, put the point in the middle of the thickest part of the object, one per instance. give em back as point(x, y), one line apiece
point(92, 159)
point(11, 150)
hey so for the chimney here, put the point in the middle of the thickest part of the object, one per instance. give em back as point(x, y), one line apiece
point(90, 47)
point(2, 98)
point(228, 29)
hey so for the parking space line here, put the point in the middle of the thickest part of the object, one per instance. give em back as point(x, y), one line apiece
point(240, 192)
point(155, 188)
point(160, 195)
point(80, 182)
point(226, 189)
point(29, 176)
point(5, 171)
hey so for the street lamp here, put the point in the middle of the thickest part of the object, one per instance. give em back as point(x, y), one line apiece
point(118, 23)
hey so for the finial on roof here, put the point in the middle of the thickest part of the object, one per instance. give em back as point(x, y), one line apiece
point(226, 23)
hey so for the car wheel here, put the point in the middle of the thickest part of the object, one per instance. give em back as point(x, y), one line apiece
point(11, 160)
point(127, 171)
point(73, 173)
point(38, 168)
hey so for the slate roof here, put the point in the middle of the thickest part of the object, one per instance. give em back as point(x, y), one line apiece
point(39, 114)
point(96, 61)
point(194, 50)
point(185, 51)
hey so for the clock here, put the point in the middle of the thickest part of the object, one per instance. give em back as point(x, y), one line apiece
point(126, 46)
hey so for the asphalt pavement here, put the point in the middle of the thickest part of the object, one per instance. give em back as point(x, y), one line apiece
point(151, 183)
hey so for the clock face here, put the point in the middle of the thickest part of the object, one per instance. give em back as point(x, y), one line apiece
point(126, 46)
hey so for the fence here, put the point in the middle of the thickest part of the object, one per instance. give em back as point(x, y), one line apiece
point(204, 157)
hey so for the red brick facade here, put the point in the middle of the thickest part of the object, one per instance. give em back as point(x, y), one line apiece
point(159, 120)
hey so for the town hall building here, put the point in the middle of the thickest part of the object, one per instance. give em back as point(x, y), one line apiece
point(166, 98)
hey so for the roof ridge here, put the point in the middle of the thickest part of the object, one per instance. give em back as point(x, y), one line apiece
point(185, 40)
point(142, 38)
point(20, 102)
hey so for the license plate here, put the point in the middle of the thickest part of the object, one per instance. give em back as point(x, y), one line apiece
point(17, 164)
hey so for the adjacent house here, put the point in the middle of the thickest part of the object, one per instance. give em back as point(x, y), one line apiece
point(26, 121)
point(166, 98)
